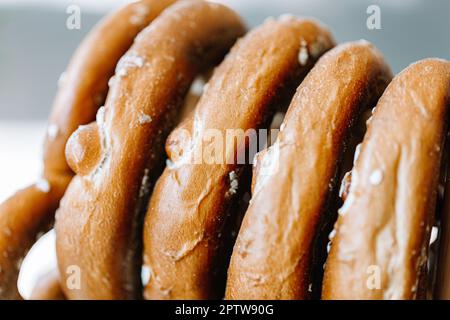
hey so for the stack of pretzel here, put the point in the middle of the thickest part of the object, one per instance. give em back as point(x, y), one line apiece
point(125, 198)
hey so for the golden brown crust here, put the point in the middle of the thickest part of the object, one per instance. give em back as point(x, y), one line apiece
point(186, 222)
point(31, 211)
point(384, 227)
point(98, 224)
point(273, 257)
point(48, 287)
point(84, 85)
point(22, 218)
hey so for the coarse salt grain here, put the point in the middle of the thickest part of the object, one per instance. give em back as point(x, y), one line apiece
point(128, 61)
point(332, 234)
point(434, 235)
point(111, 81)
point(145, 275)
point(43, 185)
point(144, 118)
point(376, 177)
point(286, 17)
point(122, 72)
point(233, 182)
point(303, 54)
point(52, 131)
point(100, 117)
point(141, 10)
point(197, 86)
point(347, 204)
point(62, 79)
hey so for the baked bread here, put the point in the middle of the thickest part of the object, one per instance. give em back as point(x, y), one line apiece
point(279, 250)
point(116, 159)
point(382, 235)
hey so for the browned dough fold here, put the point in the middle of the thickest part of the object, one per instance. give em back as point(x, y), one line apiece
point(117, 158)
point(382, 235)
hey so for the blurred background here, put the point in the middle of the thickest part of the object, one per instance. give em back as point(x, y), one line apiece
point(35, 47)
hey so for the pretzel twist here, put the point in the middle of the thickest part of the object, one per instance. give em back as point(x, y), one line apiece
point(383, 229)
point(117, 158)
point(83, 89)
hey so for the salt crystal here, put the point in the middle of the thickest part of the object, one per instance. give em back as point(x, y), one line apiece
point(376, 177)
point(145, 275)
point(344, 183)
point(62, 79)
point(122, 72)
point(141, 10)
point(286, 17)
point(347, 203)
point(332, 234)
point(233, 183)
point(197, 86)
point(111, 81)
point(43, 185)
point(100, 117)
point(434, 235)
point(128, 61)
point(144, 118)
point(52, 131)
point(303, 54)
point(169, 163)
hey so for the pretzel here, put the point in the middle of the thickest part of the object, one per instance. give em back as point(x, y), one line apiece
point(186, 253)
point(117, 158)
point(278, 244)
point(83, 88)
point(382, 235)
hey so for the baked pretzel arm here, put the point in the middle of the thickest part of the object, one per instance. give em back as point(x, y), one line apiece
point(186, 253)
point(116, 159)
point(278, 249)
point(385, 223)
point(83, 89)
